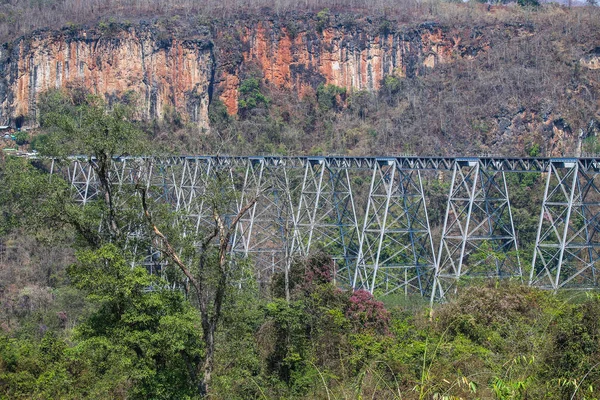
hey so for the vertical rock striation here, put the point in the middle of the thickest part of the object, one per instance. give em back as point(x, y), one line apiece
point(351, 58)
point(165, 76)
point(175, 76)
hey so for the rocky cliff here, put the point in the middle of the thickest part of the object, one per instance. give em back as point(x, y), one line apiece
point(501, 86)
point(343, 54)
point(165, 74)
point(172, 74)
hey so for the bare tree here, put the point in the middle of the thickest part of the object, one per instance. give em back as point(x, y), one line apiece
point(210, 300)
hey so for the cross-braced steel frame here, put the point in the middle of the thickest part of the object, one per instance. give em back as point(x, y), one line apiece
point(326, 216)
point(396, 249)
point(567, 243)
point(370, 214)
point(478, 236)
point(263, 233)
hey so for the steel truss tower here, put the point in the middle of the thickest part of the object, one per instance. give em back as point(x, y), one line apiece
point(478, 233)
point(568, 241)
point(83, 180)
point(263, 233)
point(326, 216)
point(396, 249)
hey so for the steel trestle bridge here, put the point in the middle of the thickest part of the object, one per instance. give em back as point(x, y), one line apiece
point(373, 216)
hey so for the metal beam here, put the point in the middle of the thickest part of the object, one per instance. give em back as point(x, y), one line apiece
point(567, 244)
point(370, 214)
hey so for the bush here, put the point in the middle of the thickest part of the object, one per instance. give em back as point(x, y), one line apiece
point(21, 138)
point(330, 97)
point(251, 96)
point(367, 313)
point(322, 19)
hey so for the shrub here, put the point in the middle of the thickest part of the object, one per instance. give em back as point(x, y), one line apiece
point(330, 97)
point(251, 96)
point(21, 138)
point(367, 313)
point(322, 19)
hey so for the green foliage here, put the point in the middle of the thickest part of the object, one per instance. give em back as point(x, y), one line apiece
point(386, 26)
point(239, 366)
point(322, 19)
point(591, 145)
point(289, 350)
point(21, 138)
point(29, 197)
point(142, 339)
point(138, 343)
point(485, 310)
point(392, 84)
point(330, 97)
point(251, 96)
point(151, 328)
point(574, 351)
point(218, 115)
point(38, 142)
point(109, 26)
point(534, 150)
point(84, 126)
point(528, 3)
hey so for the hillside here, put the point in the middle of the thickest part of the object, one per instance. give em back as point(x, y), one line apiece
point(124, 276)
point(473, 79)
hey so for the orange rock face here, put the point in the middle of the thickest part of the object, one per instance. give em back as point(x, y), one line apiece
point(172, 76)
point(353, 60)
point(166, 78)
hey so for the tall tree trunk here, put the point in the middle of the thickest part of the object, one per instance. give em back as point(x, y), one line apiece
point(210, 309)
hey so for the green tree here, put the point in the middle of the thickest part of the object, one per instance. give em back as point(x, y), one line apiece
point(150, 334)
point(150, 328)
point(207, 265)
point(250, 96)
point(85, 127)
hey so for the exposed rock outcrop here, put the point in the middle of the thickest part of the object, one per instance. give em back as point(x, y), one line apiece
point(591, 60)
point(166, 74)
point(174, 75)
point(352, 58)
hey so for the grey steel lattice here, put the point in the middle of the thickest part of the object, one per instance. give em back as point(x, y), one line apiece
point(326, 216)
point(478, 233)
point(370, 214)
point(263, 233)
point(396, 250)
point(567, 243)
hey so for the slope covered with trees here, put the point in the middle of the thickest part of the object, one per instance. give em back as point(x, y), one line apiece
point(81, 317)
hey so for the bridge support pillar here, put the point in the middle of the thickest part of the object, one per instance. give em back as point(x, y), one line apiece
point(396, 250)
point(567, 246)
point(478, 237)
point(263, 233)
point(326, 216)
point(83, 179)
